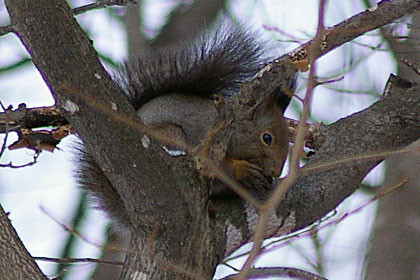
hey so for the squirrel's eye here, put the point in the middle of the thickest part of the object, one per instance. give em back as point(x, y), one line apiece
point(267, 138)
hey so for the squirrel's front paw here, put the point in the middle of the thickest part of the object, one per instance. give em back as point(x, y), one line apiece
point(251, 176)
point(242, 169)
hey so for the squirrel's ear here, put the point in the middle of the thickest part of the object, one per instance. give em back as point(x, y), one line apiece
point(285, 93)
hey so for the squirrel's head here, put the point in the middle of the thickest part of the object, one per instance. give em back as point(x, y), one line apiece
point(273, 139)
point(263, 141)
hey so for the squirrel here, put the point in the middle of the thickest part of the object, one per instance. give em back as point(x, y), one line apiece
point(172, 89)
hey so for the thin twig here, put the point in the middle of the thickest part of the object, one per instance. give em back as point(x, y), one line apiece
point(100, 4)
point(286, 240)
point(268, 209)
point(78, 10)
point(333, 164)
point(162, 262)
point(77, 260)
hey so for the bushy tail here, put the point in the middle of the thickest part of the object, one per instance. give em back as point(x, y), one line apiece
point(215, 63)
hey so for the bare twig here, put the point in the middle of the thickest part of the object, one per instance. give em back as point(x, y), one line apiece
point(79, 10)
point(268, 209)
point(101, 4)
point(330, 81)
point(350, 159)
point(286, 240)
point(72, 231)
point(77, 260)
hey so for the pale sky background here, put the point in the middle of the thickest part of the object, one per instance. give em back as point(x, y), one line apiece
point(49, 183)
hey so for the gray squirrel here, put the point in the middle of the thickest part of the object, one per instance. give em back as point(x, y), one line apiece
point(172, 90)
